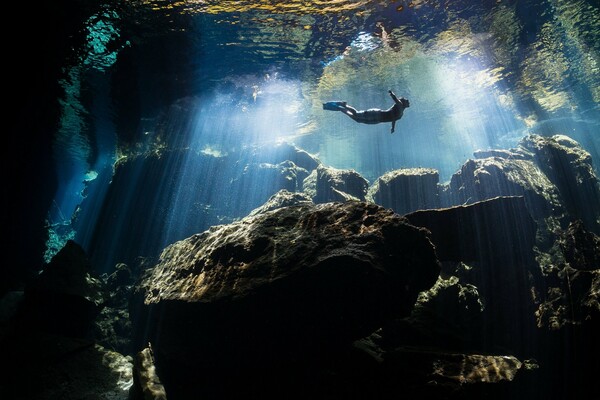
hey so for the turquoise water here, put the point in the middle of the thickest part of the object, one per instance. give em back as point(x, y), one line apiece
point(220, 76)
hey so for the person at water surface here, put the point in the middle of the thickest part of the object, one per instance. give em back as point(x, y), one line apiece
point(372, 115)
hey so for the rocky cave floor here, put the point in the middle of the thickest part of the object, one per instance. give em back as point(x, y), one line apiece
point(332, 289)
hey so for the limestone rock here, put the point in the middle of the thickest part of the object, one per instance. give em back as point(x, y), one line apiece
point(554, 174)
point(570, 169)
point(571, 295)
point(284, 151)
point(406, 190)
point(70, 273)
point(496, 231)
point(449, 315)
point(283, 198)
point(48, 367)
point(331, 184)
point(263, 179)
point(459, 369)
point(280, 285)
point(146, 379)
point(487, 178)
point(572, 298)
point(580, 247)
point(495, 239)
point(112, 327)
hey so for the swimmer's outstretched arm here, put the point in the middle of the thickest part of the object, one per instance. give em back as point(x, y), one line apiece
point(394, 97)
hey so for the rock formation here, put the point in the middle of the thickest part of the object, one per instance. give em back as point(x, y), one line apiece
point(486, 178)
point(327, 184)
point(553, 174)
point(318, 293)
point(489, 245)
point(279, 289)
point(570, 169)
point(498, 231)
point(283, 198)
point(407, 190)
point(49, 343)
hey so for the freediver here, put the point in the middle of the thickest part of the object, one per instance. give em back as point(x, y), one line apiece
point(372, 115)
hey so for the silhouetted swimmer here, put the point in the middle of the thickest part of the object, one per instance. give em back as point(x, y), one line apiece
point(372, 115)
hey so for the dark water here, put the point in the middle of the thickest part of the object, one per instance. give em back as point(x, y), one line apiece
point(218, 76)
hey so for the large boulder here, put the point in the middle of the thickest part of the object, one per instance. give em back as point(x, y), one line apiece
point(486, 178)
point(407, 190)
point(497, 231)
point(581, 248)
point(554, 174)
point(489, 245)
point(571, 296)
point(326, 184)
point(283, 198)
point(569, 167)
point(283, 151)
point(277, 287)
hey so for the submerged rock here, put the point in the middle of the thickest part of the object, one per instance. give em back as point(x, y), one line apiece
point(571, 295)
point(483, 179)
point(554, 174)
point(284, 151)
point(280, 287)
point(448, 316)
point(48, 367)
point(570, 168)
point(283, 198)
point(496, 231)
point(147, 384)
point(571, 298)
point(326, 184)
point(437, 373)
point(69, 273)
point(379, 264)
point(580, 247)
point(65, 298)
point(489, 245)
point(407, 190)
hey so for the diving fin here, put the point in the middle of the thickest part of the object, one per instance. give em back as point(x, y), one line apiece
point(334, 105)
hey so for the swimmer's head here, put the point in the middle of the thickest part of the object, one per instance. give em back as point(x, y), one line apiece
point(405, 102)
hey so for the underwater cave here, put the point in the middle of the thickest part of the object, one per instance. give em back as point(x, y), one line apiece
point(195, 209)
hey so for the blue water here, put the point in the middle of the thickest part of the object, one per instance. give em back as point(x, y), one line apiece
point(241, 74)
